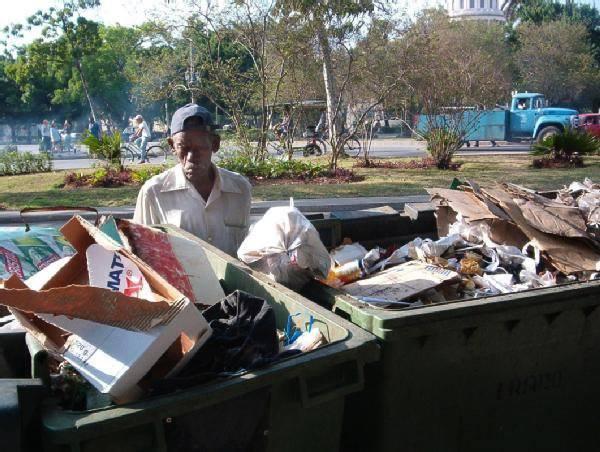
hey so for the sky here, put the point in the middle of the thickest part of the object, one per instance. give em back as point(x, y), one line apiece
point(110, 12)
point(125, 12)
point(132, 12)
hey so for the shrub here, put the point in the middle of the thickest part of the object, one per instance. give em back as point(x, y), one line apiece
point(10, 148)
point(141, 175)
point(424, 163)
point(108, 147)
point(102, 177)
point(442, 144)
point(271, 168)
point(13, 162)
point(567, 147)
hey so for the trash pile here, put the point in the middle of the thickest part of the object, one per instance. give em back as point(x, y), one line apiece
point(493, 241)
point(135, 311)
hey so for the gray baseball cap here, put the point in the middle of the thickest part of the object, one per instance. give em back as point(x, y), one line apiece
point(190, 111)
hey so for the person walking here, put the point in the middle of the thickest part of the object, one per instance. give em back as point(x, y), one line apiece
point(45, 133)
point(94, 128)
point(67, 129)
point(142, 136)
point(55, 137)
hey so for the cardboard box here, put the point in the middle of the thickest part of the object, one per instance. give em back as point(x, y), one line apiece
point(116, 342)
point(180, 261)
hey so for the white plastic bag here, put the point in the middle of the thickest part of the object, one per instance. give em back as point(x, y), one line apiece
point(287, 247)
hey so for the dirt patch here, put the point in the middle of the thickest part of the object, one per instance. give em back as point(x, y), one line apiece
point(424, 163)
point(101, 178)
point(339, 176)
point(574, 161)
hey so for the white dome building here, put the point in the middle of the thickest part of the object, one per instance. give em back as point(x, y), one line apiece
point(476, 9)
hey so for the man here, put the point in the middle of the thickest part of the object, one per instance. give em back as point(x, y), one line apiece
point(55, 137)
point(67, 129)
point(45, 133)
point(94, 128)
point(196, 195)
point(142, 136)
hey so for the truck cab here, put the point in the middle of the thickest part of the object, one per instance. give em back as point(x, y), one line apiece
point(530, 117)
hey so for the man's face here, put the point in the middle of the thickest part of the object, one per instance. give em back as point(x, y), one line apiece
point(194, 149)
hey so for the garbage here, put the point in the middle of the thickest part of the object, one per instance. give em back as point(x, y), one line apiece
point(296, 340)
point(244, 338)
point(493, 241)
point(112, 339)
point(25, 253)
point(348, 253)
point(182, 262)
point(401, 282)
point(287, 247)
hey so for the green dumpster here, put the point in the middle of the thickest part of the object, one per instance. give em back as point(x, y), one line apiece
point(514, 372)
point(294, 404)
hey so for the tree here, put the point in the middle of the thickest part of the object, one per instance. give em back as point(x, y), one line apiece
point(334, 27)
point(67, 38)
point(540, 11)
point(556, 58)
point(10, 97)
point(453, 69)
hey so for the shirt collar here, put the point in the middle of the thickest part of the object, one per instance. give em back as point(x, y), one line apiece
point(176, 180)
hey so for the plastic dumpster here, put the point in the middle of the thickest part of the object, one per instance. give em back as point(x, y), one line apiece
point(514, 372)
point(295, 404)
point(14, 362)
point(19, 414)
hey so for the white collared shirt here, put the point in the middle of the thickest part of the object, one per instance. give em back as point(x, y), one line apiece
point(223, 219)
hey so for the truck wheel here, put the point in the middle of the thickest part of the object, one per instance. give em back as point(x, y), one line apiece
point(546, 132)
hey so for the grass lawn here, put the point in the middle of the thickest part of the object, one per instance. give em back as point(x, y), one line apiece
point(38, 190)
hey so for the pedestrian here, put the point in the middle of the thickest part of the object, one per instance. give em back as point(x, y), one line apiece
point(94, 128)
point(67, 129)
point(55, 137)
point(45, 133)
point(196, 195)
point(141, 136)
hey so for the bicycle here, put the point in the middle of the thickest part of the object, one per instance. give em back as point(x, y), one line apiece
point(314, 143)
point(154, 154)
point(351, 147)
point(314, 146)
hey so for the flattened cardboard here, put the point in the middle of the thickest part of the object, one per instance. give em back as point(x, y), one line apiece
point(112, 358)
point(568, 255)
point(401, 282)
point(93, 303)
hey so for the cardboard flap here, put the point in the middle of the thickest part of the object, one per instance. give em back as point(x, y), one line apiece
point(92, 303)
point(81, 234)
point(464, 203)
point(50, 336)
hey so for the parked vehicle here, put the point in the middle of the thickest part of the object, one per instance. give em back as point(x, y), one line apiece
point(590, 122)
point(529, 118)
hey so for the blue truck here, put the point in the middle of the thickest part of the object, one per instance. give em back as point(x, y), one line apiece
point(529, 118)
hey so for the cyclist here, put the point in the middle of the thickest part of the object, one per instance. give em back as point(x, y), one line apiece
point(283, 128)
point(141, 136)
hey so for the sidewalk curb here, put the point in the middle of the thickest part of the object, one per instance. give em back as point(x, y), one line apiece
point(258, 208)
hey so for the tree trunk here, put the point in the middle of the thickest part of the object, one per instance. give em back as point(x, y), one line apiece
point(85, 87)
point(330, 92)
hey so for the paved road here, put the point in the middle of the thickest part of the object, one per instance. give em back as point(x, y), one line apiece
point(381, 148)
